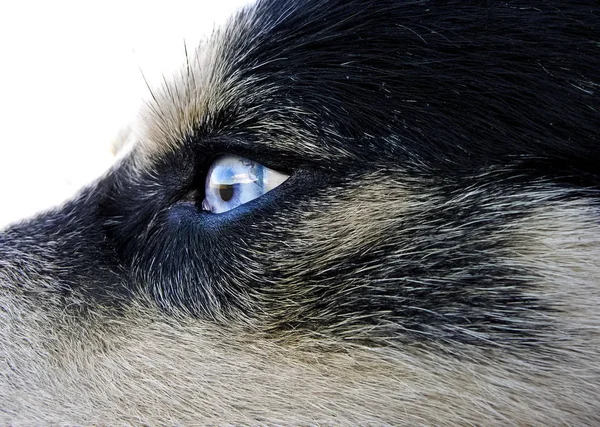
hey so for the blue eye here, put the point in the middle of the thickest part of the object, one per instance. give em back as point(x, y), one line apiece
point(232, 181)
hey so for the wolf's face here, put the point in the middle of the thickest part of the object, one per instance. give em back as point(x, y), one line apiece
point(341, 212)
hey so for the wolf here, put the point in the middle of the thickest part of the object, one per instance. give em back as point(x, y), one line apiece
point(340, 212)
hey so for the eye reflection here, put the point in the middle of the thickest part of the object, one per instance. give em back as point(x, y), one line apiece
point(233, 180)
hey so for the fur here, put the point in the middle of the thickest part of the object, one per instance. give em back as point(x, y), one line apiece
point(432, 260)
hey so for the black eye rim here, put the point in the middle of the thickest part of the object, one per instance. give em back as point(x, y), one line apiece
point(193, 189)
point(168, 198)
point(179, 177)
point(270, 204)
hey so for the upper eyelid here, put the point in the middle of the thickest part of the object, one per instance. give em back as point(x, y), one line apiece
point(268, 155)
point(268, 162)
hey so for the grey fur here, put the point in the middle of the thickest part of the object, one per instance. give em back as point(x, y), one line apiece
point(398, 294)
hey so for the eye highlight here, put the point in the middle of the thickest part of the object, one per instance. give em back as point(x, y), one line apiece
point(233, 180)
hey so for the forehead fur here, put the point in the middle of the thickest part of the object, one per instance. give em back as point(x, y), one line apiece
point(225, 88)
point(299, 75)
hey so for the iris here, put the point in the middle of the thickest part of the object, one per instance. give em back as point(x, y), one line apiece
point(233, 180)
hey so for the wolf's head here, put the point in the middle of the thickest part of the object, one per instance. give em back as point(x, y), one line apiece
point(340, 212)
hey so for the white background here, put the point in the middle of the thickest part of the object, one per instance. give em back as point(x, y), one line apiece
point(71, 81)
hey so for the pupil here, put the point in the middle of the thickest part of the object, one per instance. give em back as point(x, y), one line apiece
point(226, 192)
